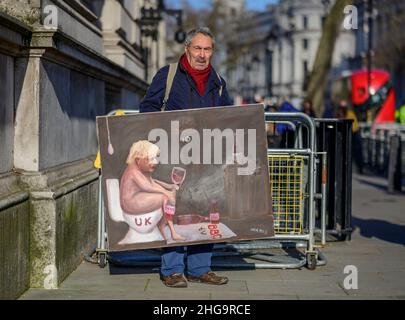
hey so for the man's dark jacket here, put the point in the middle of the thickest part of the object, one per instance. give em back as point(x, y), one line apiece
point(184, 93)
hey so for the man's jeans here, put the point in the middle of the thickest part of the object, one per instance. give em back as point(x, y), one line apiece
point(198, 260)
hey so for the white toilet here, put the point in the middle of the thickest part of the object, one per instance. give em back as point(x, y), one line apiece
point(142, 227)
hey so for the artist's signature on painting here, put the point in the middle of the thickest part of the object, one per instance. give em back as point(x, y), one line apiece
point(259, 230)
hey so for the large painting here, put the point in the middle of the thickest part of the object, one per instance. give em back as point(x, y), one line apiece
point(185, 177)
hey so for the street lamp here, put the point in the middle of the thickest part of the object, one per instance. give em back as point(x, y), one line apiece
point(151, 16)
point(149, 21)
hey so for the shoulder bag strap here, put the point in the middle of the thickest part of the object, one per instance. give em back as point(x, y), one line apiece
point(169, 83)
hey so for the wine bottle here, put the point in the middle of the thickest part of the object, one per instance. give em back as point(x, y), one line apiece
point(214, 212)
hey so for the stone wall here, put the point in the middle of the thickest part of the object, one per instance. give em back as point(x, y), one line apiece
point(73, 101)
point(14, 238)
point(54, 83)
point(14, 201)
point(63, 223)
point(6, 112)
point(76, 227)
point(78, 23)
point(26, 11)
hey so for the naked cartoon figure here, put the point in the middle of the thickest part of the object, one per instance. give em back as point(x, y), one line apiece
point(140, 193)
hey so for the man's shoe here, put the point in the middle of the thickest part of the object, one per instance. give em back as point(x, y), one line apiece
point(209, 278)
point(175, 280)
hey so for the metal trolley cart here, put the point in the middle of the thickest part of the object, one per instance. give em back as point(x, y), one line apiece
point(293, 175)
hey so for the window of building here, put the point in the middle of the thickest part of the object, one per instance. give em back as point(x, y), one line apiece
point(305, 22)
point(323, 18)
point(269, 72)
point(305, 68)
point(305, 44)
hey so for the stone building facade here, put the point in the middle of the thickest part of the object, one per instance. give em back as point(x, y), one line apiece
point(278, 48)
point(62, 63)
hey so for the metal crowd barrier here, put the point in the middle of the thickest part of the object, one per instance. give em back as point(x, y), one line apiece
point(335, 137)
point(293, 177)
point(383, 152)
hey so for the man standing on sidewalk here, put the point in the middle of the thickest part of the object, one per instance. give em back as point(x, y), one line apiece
point(192, 83)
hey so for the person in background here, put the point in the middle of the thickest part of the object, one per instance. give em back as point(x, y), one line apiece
point(341, 110)
point(309, 111)
point(273, 139)
point(345, 112)
point(400, 113)
point(284, 130)
point(307, 108)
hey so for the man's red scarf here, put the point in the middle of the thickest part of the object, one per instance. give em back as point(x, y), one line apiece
point(200, 77)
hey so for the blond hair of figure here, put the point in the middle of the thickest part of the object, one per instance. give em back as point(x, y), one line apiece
point(141, 150)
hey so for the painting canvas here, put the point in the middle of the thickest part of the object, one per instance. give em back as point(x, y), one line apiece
point(185, 177)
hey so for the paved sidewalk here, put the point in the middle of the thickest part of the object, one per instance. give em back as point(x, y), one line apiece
point(377, 250)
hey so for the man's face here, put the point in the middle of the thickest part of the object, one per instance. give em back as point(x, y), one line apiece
point(199, 52)
point(149, 163)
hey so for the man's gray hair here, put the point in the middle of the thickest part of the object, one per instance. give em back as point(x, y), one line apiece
point(203, 30)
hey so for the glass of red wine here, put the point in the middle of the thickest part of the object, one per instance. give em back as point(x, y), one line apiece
point(178, 175)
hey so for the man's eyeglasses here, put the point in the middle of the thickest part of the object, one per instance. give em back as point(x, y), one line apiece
point(198, 49)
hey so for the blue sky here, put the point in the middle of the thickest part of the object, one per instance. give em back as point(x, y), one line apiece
point(250, 4)
point(259, 4)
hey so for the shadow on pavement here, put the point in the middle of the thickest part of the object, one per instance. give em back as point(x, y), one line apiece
point(120, 270)
point(148, 261)
point(376, 184)
point(380, 229)
point(134, 261)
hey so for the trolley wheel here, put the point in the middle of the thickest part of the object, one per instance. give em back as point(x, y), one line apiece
point(312, 260)
point(102, 259)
